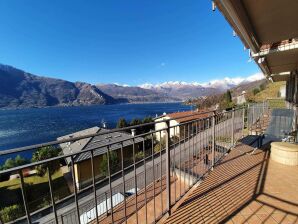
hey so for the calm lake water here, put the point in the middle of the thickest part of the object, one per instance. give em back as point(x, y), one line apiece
point(31, 126)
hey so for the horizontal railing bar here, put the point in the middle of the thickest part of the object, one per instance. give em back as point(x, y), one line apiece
point(87, 150)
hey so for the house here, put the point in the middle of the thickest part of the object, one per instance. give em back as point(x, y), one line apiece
point(179, 118)
point(82, 161)
point(241, 99)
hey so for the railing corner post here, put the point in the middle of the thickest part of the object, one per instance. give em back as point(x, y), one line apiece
point(168, 166)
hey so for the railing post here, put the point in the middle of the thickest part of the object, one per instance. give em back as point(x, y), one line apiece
point(213, 140)
point(25, 197)
point(243, 121)
point(52, 194)
point(253, 115)
point(233, 121)
point(168, 166)
point(248, 118)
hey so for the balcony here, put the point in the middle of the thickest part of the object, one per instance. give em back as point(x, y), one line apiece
point(209, 171)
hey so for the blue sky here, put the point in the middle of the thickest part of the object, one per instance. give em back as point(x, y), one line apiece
point(128, 42)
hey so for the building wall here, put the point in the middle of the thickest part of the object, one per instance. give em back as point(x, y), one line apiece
point(83, 169)
point(241, 99)
point(282, 91)
point(159, 126)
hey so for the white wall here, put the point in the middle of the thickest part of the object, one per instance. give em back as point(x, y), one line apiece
point(282, 91)
point(162, 125)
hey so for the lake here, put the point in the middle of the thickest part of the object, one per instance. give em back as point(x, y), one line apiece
point(24, 127)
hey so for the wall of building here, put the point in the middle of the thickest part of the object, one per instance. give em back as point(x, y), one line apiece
point(159, 126)
point(83, 169)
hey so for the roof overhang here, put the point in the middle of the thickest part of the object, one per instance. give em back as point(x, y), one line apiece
point(269, 28)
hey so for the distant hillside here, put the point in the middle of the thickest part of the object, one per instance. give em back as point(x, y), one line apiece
point(182, 90)
point(135, 94)
point(271, 91)
point(248, 87)
point(19, 89)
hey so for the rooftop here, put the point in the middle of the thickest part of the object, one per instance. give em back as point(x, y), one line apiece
point(186, 116)
point(98, 142)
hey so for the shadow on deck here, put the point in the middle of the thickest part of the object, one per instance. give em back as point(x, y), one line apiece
point(243, 189)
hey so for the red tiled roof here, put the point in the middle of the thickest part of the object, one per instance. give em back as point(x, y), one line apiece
point(189, 115)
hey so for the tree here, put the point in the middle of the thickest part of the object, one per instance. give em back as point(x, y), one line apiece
point(135, 121)
point(122, 123)
point(44, 153)
point(19, 161)
point(148, 127)
point(114, 163)
point(9, 163)
point(228, 96)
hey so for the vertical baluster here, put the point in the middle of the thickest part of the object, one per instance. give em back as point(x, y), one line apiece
point(193, 151)
point(168, 167)
point(153, 165)
point(206, 144)
point(75, 188)
point(107, 206)
point(25, 197)
point(110, 184)
point(123, 180)
point(135, 179)
point(188, 167)
point(160, 155)
point(145, 176)
point(180, 161)
point(51, 194)
point(233, 121)
point(184, 159)
point(93, 184)
point(196, 151)
point(213, 141)
point(174, 164)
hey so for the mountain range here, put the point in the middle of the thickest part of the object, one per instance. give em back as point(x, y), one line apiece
point(20, 89)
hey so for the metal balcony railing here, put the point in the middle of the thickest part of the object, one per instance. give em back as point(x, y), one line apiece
point(143, 188)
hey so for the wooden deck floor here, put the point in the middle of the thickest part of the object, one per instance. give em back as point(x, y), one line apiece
point(243, 189)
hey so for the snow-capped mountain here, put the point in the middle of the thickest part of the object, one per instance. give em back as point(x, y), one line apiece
point(218, 84)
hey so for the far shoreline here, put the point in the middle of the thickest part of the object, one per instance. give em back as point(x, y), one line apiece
point(86, 105)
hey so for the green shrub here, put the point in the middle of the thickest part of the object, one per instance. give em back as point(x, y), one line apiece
point(114, 163)
point(11, 213)
point(161, 144)
point(139, 155)
point(256, 91)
